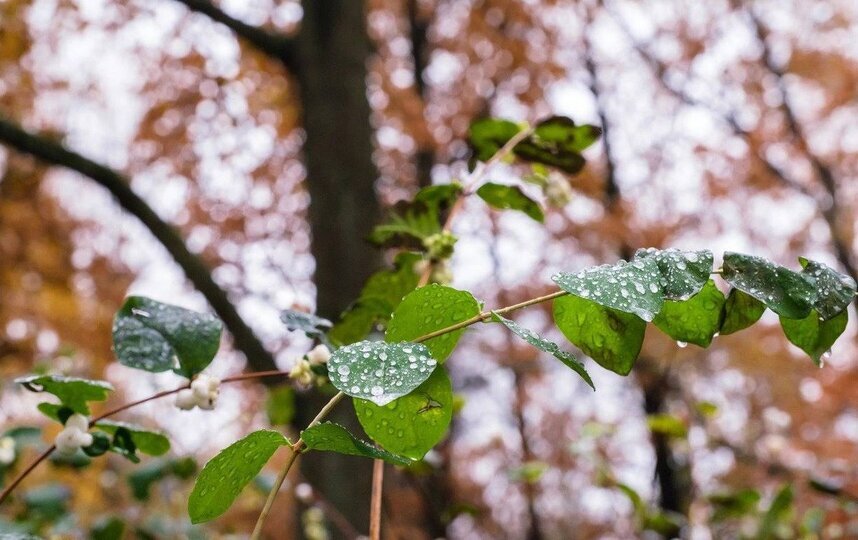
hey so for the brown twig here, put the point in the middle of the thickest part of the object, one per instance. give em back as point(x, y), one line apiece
point(375, 502)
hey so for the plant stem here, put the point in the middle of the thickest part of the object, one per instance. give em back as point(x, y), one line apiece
point(44, 455)
point(281, 477)
point(375, 502)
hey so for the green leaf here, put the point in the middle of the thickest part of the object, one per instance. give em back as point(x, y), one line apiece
point(510, 198)
point(558, 142)
point(440, 194)
point(785, 292)
point(380, 296)
point(488, 135)
point(56, 412)
point(430, 308)
point(612, 338)
point(71, 391)
point(835, 290)
point(123, 444)
point(740, 311)
point(633, 287)
point(149, 442)
point(734, 505)
point(695, 320)
point(668, 425)
point(107, 528)
point(814, 335)
point(152, 336)
point(547, 346)
point(332, 437)
point(380, 372)
point(280, 405)
point(777, 514)
point(683, 273)
point(411, 425)
point(411, 222)
point(223, 478)
point(314, 327)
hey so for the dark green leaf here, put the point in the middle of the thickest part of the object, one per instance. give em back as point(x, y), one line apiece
point(100, 445)
point(734, 505)
point(488, 135)
point(740, 311)
point(380, 372)
point(813, 335)
point(123, 444)
point(380, 296)
point(331, 437)
point(71, 391)
point(441, 194)
point(411, 425)
point(510, 198)
point(558, 142)
point(612, 338)
point(280, 405)
point(55, 412)
point(694, 320)
point(777, 513)
point(548, 346)
point(314, 327)
point(683, 273)
point(108, 528)
point(633, 287)
point(430, 308)
point(223, 478)
point(157, 337)
point(785, 292)
point(149, 442)
point(835, 291)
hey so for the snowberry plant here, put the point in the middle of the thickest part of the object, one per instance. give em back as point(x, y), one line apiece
point(399, 385)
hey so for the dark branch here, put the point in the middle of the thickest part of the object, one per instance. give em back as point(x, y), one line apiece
point(275, 45)
point(54, 153)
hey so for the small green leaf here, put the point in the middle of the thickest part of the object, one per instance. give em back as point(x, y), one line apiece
point(734, 505)
point(440, 194)
point(123, 444)
point(777, 514)
point(835, 290)
point(380, 296)
point(740, 311)
point(280, 405)
point(430, 308)
point(547, 346)
point(223, 478)
point(380, 372)
point(71, 391)
point(785, 292)
point(683, 273)
point(55, 412)
point(101, 444)
point(149, 442)
point(633, 287)
point(668, 425)
point(314, 327)
point(411, 425)
point(610, 337)
point(529, 472)
point(814, 335)
point(558, 142)
point(510, 198)
point(488, 135)
point(155, 337)
point(330, 437)
point(695, 320)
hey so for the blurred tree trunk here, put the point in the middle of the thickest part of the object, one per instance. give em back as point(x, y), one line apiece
point(332, 53)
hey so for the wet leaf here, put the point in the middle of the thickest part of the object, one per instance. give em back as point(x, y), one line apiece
point(633, 287)
point(147, 441)
point(380, 372)
point(413, 424)
point(740, 311)
point(683, 273)
point(223, 478)
point(153, 336)
point(71, 391)
point(695, 320)
point(430, 308)
point(610, 337)
point(814, 335)
point(547, 346)
point(314, 327)
point(787, 293)
point(332, 437)
point(835, 291)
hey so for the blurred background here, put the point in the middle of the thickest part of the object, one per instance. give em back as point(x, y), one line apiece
point(273, 134)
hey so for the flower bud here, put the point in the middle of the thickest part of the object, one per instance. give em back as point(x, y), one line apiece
point(186, 400)
point(320, 354)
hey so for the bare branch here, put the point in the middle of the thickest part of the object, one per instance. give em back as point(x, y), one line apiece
point(45, 149)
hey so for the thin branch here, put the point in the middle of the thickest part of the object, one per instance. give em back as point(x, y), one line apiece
point(375, 501)
point(275, 45)
point(50, 151)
